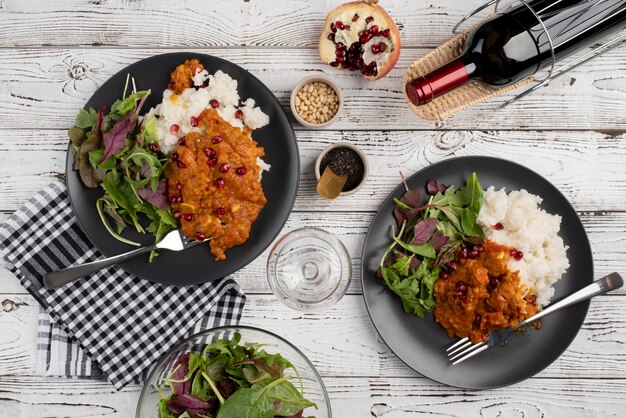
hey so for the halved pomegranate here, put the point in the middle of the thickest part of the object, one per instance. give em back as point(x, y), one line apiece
point(360, 36)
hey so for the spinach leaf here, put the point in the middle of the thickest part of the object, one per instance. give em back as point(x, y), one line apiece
point(473, 194)
point(247, 403)
point(287, 400)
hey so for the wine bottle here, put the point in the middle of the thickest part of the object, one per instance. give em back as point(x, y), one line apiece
point(513, 45)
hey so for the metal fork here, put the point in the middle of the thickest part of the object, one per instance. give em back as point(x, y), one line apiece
point(464, 349)
point(173, 241)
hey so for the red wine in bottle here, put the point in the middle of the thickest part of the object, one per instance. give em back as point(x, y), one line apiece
point(513, 45)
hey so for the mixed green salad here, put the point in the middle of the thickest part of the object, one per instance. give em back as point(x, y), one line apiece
point(428, 237)
point(119, 152)
point(232, 380)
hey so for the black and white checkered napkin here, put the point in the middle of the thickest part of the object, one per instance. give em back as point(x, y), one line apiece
point(109, 323)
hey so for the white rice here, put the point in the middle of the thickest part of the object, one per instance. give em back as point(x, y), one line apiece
point(178, 109)
point(531, 230)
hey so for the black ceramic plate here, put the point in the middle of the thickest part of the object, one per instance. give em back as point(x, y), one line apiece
point(280, 184)
point(421, 342)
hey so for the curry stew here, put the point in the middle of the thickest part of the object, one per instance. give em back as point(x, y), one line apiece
point(213, 183)
point(481, 295)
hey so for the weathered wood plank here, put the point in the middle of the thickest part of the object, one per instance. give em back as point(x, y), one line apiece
point(276, 23)
point(31, 159)
point(350, 397)
point(343, 342)
point(605, 230)
point(43, 88)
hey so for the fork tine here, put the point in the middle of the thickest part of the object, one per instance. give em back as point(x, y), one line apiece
point(468, 350)
point(467, 344)
point(472, 354)
point(457, 343)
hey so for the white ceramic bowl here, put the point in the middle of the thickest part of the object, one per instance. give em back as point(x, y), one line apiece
point(358, 151)
point(324, 79)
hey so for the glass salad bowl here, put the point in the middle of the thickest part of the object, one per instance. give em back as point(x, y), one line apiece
point(161, 381)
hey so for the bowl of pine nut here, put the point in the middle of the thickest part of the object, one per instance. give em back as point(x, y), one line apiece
point(316, 101)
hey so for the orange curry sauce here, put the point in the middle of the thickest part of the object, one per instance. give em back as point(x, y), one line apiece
point(217, 176)
point(482, 295)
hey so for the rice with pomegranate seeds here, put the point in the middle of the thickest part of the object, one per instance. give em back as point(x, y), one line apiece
point(531, 230)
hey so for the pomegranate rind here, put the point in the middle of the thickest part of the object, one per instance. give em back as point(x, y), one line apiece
point(364, 9)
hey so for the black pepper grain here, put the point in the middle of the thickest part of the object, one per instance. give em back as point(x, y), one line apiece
point(344, 161)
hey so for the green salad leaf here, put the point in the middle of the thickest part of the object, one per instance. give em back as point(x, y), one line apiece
point(86, 118)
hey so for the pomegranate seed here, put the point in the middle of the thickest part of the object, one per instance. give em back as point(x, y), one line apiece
point(452, 264)
point(369, 19)
point(340, 45)
point(374, 29)
point(331, 37)
point(179, 199)
point(339, 24)
point(181, 141)
point(355, 17)
point(174, 156)
point(334, 64)
point(477, 320)
point(443, 275)
point(154, 148)
point(458, 294)
point(181, 164)
point(214, 103)
point(193, 121)
point(498, 226)
point(219, 183)
point(210, 152)
point(239, 114)
point(340, 52)
point(174, 128)
point(212, 162)
point(512, 252)
point(382, 46)
point(187, 217)
point(217, 139)
point(479, 248)
point(177, 215)
point(242, 171)
point(172, 199)
point(518, 256)
point(224, 168)
point(179, 186)
point(460, 286)
point(333, 28)
point(220, 211)
point(386, 33)
point(464, 253)
point(171, 85)
point(365, 38)
point(339, 60)
point(532, 299)
point(200, 236)
point(473, 254)
point(375, 49)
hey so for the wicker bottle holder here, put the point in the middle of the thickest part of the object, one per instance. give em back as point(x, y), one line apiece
point(458, 99)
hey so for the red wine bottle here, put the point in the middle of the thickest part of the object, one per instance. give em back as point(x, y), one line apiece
point(513, 45)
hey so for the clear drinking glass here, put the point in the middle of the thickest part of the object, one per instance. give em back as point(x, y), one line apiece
point(309, 269)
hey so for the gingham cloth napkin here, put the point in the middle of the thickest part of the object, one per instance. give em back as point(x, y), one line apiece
point(109, 323)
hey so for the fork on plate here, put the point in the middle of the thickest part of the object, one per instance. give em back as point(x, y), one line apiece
point(173, 241)
point(464, 349)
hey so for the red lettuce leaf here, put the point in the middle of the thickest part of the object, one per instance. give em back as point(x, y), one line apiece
point(191, 402)
point(433, 187)
point(115, 140)
point(182, 368)
point(412, 198)
point(438, 240)
point(157, 199)
point(424, 230)
point(90, 176)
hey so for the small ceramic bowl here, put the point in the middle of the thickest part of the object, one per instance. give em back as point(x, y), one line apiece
point(358, 151)
point(311, 79)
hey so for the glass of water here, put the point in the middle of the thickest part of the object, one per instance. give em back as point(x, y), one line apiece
point(309, 269)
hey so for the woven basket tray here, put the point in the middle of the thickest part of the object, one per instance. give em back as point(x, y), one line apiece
point(458, 99)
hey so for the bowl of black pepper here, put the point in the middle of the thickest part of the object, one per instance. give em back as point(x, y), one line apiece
point(344, 159)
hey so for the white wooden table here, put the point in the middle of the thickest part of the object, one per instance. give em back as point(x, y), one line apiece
point(53, 55)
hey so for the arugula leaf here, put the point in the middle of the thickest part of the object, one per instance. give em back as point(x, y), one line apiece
point(86, 118)
point(425, 250)
point(121, 107)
